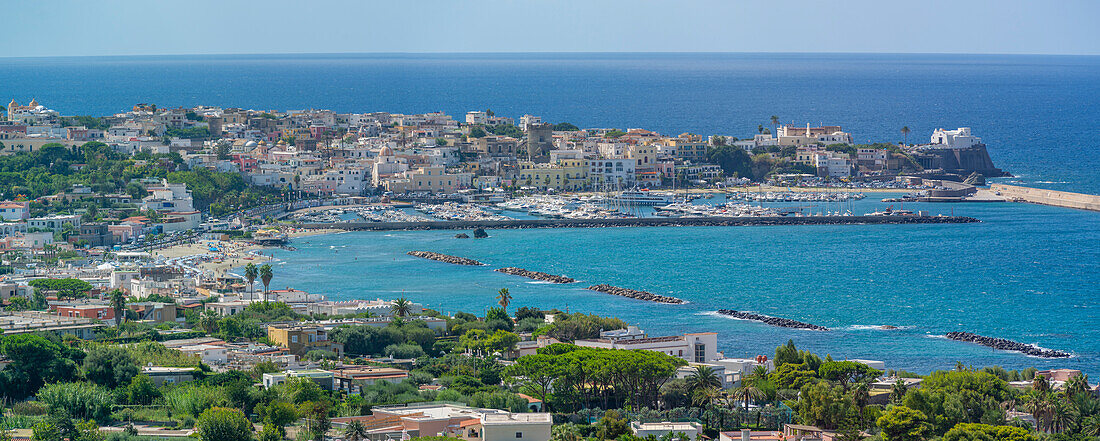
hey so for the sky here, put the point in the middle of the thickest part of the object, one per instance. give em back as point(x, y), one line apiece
point(156, 27)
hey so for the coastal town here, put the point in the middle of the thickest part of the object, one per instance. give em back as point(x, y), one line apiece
point(137, 265)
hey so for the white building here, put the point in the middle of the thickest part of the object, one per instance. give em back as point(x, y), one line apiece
point(168, 197)
point(14, 211)
point(955, 139)
point(477, 117)
point(690, 429)
point(701, 347)
point(210, 354)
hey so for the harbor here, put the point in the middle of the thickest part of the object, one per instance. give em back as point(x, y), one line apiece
point(646, 222)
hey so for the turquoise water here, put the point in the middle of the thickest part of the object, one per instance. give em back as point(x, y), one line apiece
point(1027, 273)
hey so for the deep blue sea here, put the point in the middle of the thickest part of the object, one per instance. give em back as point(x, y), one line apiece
point(1038, 114)
point(1028, 273)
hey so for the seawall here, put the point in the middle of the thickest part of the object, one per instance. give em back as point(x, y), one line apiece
point(644, 222)
point(1056, 198)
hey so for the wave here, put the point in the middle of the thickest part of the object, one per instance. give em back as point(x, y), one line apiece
point(874, 328)
point(1051, 182)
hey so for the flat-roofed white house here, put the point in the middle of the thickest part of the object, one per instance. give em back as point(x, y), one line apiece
point(699, 347)
point(690, 429)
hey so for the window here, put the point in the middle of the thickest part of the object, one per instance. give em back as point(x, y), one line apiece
point(519, 435)
point(294, 339)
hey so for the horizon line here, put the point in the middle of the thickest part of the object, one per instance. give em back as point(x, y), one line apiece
point(557, 53)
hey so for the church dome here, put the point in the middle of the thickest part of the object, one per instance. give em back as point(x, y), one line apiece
point(386, 151)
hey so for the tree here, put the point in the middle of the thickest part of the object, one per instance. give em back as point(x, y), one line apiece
point(250, 274)
point(265, 277)
point(985, 432)
point(775, 124)
point(735, 162)
point(905, 132)
point(746, 394)
point(703, 377)
point(504, 298)
point(611, 426)
point(355, 431)
point(901, 423)
point(535, 374)
point(142, 390)
point(847, 372)
point(224, 424)
point(118, 304)
point(34, 362)
point(110, 366)
point(209, 321)
point(401, 307)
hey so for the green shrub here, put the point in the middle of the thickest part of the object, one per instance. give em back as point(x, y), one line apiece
point(81, 400)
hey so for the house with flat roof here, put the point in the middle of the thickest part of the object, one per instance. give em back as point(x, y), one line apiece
point(690, 429)
point(697, 347)
point(352, 379)
point(162, 375)
point(25, 322)
point(299, 339)
point(323, 378)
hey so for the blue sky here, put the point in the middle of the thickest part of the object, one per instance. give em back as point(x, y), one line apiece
point(131, 27)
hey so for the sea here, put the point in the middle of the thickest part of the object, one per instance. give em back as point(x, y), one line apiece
point(1026, 272)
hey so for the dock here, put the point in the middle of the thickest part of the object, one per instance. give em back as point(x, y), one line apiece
point(1041, 196)
point(644, 222)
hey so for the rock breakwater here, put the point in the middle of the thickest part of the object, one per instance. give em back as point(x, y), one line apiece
point(535, 275)
point(444, 258)
point(769, 320)
point(1007, 345)
point(634, 294)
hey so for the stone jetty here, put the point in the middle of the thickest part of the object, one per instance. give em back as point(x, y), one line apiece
point(444, 258)
point(1007, 345)
point(635, 294)
point(774, 321)
point(535, 275)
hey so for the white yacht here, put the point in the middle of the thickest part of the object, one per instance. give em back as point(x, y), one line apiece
point(642, 197)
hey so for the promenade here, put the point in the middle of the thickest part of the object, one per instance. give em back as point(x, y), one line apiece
point(644, 222)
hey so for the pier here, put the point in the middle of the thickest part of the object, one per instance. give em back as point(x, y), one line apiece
point(1040, 196)
point(644, 222)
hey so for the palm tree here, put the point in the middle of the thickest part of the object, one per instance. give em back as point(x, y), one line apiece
point(1077, 385)
point(265, 277)
point(745, 394)
point(775, 125)
point(504, 298)
point(1040, 384)
point(355, 431)
point(705, 396)
point(905, 132)
point(118, 303)
point(209, 321)
point(704, 377)
point(250, 274)
point(898, 391)
point(401, 307)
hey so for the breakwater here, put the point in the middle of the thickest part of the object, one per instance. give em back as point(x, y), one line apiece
point(1040, 196)
point(644, 222)
point(635, 294)
point(444, 258)
point(1007, 345)
point(774, 321)
point(535, 275)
